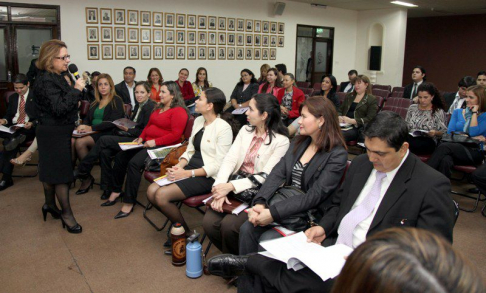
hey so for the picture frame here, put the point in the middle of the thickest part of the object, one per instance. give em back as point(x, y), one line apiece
point(211, 53)
point(133, 53)
point(231, 39)
point(158, 52)
point(273, 54)
point(202, 38)
point(180, 37)
point(281, 28)
point(119, 16)
point(146, 52)
point(145, 18)
point(105, 15)
point(240, 39)
point(169, 37)
point(181, 20)
point(221, 39)
point(201, 53)
point(93, 52)
point(273, 41)
point(273, 27)
point(145, 35)
point(169, 52)
point(158, 35)
point(211, 38)
point(249, 40)
point(281, 41)
point(231, 24)
point(249, 25)
point(169, 19)
point(265, 41)
point(132, 17)
point(191, 53)
point(265, 27)
point(240, 54)
point(222, 23)
point(191, 37)
point(132, 35)
point(230, 53)
point(157, 19)
point(212, 22)
point(248, 54)
point(120, 52)
point(107, 51)
point(92, 34)
point(202, 22)
point(191, 21)
point(257, 40)
point(240, 25)
point(257, 26)
point(265, 54)
point(181, 52)
point(221, 53)
point(91, 15)
point(107, 34)
point(257, 54)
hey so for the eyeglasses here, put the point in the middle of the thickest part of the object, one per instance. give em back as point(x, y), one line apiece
point(64, 58)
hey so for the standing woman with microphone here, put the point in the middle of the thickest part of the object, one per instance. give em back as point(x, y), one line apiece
point(58, 105)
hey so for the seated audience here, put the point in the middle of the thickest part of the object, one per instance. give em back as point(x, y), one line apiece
point(328, 89)
point(290, 98)
point(458, 100)
point(272, 84)
point(186, 89)
point(387, 187)
point(155, 80)
point(244, 90)
point(418, 77)
point(471, 121)
point(481, 79)
point(428, 115)
point(202, 83)
point(348, 86)
point(358, 108)
point(257, 148)
point(210, 141)
point(164, 128)
point(126, 88)
point(263, 74)
point(107, 146)
point(282, 70)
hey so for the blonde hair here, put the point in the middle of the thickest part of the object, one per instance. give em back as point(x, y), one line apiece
point(366, 80)
point(49, 50)
point(479, 92)
point(112, 93)
point(265, 67)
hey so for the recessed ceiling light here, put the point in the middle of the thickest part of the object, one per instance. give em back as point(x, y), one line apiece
point(404, 3)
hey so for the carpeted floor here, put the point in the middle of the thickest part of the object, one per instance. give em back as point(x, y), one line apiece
point(124, 255)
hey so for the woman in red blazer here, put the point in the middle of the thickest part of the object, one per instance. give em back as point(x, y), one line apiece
point(290, 99)
point(186, 89)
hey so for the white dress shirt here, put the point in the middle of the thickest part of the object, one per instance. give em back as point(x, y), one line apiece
point(416, 85)
point(457, 103)
point(132, 95)
point(349, 87)
point(16, 117)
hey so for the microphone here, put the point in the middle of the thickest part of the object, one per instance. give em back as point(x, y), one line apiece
point(73, 69)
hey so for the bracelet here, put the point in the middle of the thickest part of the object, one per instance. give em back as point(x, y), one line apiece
point(475, 112)
point(192, 172)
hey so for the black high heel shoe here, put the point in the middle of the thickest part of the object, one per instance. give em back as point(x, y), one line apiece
point(90, 186)
point(47, 209)
point(123, 214)
point(76, 229)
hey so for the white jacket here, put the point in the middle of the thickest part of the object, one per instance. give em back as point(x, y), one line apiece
point(268, 156)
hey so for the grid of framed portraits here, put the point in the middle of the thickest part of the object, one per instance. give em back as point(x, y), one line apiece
point(150, 35)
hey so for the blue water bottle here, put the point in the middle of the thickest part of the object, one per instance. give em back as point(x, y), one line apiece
point(194, 268)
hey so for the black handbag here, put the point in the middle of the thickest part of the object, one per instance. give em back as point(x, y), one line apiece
point(297, 222)
point(460, 137)
point(247, 195)
point(152, 165)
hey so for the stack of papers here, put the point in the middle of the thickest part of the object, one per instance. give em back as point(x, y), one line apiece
point(163, 180)
point(240, 111)
point(160, 153)
point(129, 145)
point(12, 128)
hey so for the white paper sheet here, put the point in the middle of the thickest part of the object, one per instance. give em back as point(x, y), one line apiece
point(240, 111)
point(125, 147)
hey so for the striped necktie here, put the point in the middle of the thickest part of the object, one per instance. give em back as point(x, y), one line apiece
point(21, 119)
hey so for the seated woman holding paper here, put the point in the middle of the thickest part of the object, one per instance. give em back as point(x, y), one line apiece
point(426, 120)
point(197, 168)
point(358, 108)
point(106, 108)
point(290, 98)
point(257, 148)
point(469, 122)
point(164, 128)
point(244, 90)
point(108, 145)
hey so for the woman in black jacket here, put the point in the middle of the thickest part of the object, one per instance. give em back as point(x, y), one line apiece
point(329, 88)
point(242, 94)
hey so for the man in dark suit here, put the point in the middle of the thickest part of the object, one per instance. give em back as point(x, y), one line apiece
point(418, 77)
point(348, 86)
point(387, 187)
point(457, 100)
point(20, 111)
point(126, 88)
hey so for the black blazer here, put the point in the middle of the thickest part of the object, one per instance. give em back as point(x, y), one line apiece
point(13, 105)
point(407, 91)
point(244, 96)
point(343, 85)
point(319, 180)
point(122, 91)
point(449, 99)
point(113, 111)
point(418, 196)
point(143, 117)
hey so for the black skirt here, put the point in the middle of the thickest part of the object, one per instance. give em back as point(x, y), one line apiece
point(54, 143)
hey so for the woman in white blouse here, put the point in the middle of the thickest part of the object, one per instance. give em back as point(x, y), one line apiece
point(257, 148)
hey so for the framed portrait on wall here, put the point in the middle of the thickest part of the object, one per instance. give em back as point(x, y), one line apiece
point(181, 20)
point(281, 28)
point(107, 52)
point(212, 22)
point(240, 39)
point(249, 25)
point(273, 27)
point(92, 34)
point(93, 52)
point(169, 20)
point(257, 40)
point(202, 38)
point(91, 15)
point(169, 37)
point(191, 21)
point(231, 53)
point(181, 52)
point(221, 38)
point(169, 52)
point(249, 54)
point(133, 35)
point(201, 53)
point(231, 39)
point(120, 52)
point(257, 26)
point(281, 41)
point(257, 54)
point(201, 22)
point(106, 34)
point(240, 54)
point(221, 53)
point(157, 18)
point(265, 27)
point(222, 23)
point(133, 17)
point(146, 52)
point(264, 54)
point(265, 41)
point(231, 24)
point(273, 41)
point(146, 35)
point(158, 52)
point(211, 38)
point(249, 39)
point(191, 53)
point(211, 53)
point(191, 37)
point(240, 25)
point(273, 54)
point(119, 16)
point(158, 36)
point(145, 18)
point(105, 16)
point(181, 37)
point(133, 52)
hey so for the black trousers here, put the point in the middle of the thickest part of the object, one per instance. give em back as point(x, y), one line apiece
point(448, 154)
point(479, 178)
point(224, 229)
point(421, 145)
point(6, 168)
point(131, 163)
point(273, 276)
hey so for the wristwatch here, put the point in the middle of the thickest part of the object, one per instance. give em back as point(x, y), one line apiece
point(239, 105)
point(192, 172)
point(475, 112)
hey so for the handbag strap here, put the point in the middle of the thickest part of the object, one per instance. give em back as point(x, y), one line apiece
point(255, 181)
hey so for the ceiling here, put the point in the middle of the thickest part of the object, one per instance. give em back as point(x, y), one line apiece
point(425, 7)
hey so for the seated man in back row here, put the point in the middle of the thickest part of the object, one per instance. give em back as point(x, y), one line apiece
point(388, 187)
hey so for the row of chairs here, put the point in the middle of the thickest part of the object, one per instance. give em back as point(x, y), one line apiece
point(384, 91)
